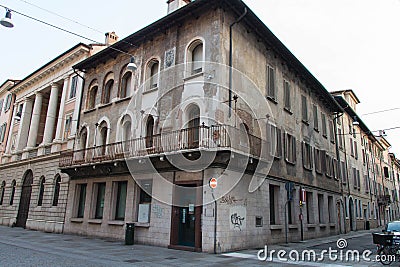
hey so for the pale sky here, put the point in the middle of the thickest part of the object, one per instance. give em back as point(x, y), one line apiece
point(345, 44)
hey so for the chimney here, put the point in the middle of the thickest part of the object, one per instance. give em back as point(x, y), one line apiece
point(111, 38)
point(176, 4)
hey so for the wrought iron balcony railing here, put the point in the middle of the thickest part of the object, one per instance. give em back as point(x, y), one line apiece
point(202, 137)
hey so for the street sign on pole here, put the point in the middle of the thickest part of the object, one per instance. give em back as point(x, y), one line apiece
point(213, 183)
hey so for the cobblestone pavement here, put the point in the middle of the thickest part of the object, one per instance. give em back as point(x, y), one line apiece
point(21, 247)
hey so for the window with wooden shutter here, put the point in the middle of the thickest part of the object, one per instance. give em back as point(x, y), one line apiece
point(271, 92)
point(324, 131)
point(307, 156)
point(286, 91)
point(304, 109)
point(315, 115)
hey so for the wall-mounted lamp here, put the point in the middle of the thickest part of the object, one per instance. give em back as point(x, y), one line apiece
point(355, 122)
point(6, 21)
point(132, 65)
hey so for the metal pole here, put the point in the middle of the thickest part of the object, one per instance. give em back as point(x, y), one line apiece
point(286, 223)
point(215, 222)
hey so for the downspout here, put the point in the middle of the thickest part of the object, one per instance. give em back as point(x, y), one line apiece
point(338, 168)
point(231, 56)
point(80, 104)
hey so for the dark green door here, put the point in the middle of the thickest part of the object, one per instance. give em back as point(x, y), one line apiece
point(186, 228)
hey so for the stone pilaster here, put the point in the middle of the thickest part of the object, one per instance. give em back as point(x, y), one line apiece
point(51, 114)
point(35, 119)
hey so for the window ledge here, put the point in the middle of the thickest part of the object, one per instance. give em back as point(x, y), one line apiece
point(276, 227)
point(194, 75)
point(293, 226)
point(323, 225)
point(316, 129)
point(105, 105)
point(307, 168)
point(288, 111)
point(89, 110)
point(123, 99)
point(311, 225)
point(305, 122)
point(272, 99)
point(332, 225)
point(144, 225)
point(95, 221)
point(290, 163)
point(77, 220)
point(121, 223)
point(325, 136)
point(69, 100)
point(150, 90)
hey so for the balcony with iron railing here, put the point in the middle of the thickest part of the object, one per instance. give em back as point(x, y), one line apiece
point(215, 137)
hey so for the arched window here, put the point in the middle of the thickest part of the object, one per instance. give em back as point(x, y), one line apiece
point(153, 69)
point(193, 124)
point(127, 131)
point(107, 92)
point(126, 85)
point(41, 190)
point(83, 138)
point(2, 190)
point(56, 195)
point(91, 102)
point(195, 57)
point(13, 184)
point(103, 134)
point(149, 131)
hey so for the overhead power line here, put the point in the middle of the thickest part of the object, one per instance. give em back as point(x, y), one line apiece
point(67, 31)
point(380, 111)
point(61, 16)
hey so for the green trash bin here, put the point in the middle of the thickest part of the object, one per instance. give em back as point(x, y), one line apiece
point(129, 233)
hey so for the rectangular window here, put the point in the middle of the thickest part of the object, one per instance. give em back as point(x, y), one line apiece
point(329, 166)
point(275, 137)
point(331, 132)
point(307, 156)
point(351, 147)
point(290, 148)
point(324, 131)
point(366, 184)
point(81, 192)
point(358, 180)
point(355, 150)
point(346, 210)
point(67, 126)
point(304, 109)
point(286, 91)
point(331, 216)
point(340, 138)
point(100, 194)
point(273, 204)
point(271, 91)
point(290, 209)
point(321, 208)
point(1, 105)
point(309, 207)
point(74, 85)
point(343, 171)
point(146, 188)
point(120, 204)
point(355, 184)
point(315, 114)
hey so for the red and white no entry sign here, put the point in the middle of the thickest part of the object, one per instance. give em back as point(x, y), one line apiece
point(213, 183)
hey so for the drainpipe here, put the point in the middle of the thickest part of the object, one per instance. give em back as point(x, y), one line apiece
point(339, 168)
point(81, 99)
point(230, 58)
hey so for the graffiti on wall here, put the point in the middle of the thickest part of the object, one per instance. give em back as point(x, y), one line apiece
point(233, 200)
point(158, 211)
point(237, 216)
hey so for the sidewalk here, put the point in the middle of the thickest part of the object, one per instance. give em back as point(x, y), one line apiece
point(70, 250)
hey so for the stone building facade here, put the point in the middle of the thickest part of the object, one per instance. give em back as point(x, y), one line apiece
point(136, 132)
point(43, 119)
point(144, 134)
